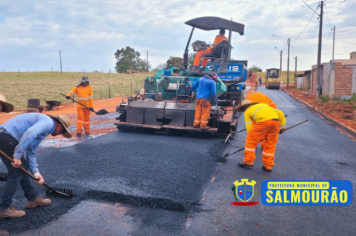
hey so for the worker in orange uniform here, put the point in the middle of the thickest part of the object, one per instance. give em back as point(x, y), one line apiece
point(206, 96)
point(85, 96)
point(269, 123)
point(258, 97)
point(218, 39)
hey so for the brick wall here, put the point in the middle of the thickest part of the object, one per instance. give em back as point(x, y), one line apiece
point(343, 80)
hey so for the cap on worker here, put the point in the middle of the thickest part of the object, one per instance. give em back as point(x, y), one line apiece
point(6, 107)
point(64, 120)
point(212, 75)
point(245, 103)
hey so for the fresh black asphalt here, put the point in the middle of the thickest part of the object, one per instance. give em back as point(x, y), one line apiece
point(138, 183)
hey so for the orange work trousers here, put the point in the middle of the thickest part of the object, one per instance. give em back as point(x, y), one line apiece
point(83, 119)
point(267, 130)
point(198, 57)
point(202, 113)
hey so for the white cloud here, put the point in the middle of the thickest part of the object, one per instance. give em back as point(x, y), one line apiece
point(89, 32)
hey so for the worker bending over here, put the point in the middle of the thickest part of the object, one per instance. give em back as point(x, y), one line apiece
point(20, 138)
point(5, 106)
point(85, 96)
point(258, 97)
point(269, 123)
point(206, 96)
point(218, 39)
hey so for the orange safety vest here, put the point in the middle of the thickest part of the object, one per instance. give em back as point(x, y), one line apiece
point(218, 39)
point(84, 95)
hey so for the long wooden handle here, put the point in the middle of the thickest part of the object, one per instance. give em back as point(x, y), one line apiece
point(75, 101)
point(23, 169)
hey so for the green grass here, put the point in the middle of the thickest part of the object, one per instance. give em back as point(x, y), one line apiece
point(18, 87)
point(284, 76)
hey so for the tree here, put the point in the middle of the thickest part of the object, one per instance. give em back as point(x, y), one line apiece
point(127, 58)
point(191, 58)
point(255, 68)
point(175, 62)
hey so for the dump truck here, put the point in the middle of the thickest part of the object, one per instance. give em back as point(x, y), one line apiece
point(272, 79)
point(165, 104)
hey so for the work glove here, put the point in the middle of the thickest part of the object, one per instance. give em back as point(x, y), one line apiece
point(67, 97)
point(282, 130)
point(91, 109)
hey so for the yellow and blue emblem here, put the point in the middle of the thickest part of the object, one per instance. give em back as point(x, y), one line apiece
point(244, 191)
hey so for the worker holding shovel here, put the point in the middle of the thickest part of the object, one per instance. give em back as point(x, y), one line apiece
point(85, 96)
point(5, 106)
point(20, 138)
point(258, 97)
point(267, 126)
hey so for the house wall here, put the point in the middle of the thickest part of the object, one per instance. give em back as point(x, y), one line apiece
point(343, 81)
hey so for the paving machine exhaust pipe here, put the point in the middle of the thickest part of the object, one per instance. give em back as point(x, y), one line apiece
point(228, 154)
point(60, 191)
point(101, 112)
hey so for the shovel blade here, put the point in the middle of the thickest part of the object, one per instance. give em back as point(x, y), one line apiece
point(102, 112)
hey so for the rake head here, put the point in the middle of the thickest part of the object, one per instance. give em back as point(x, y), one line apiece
point(64, 192)
point(3, 176)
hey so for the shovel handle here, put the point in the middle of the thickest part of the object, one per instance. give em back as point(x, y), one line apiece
point(23, 169)
point(75, 101)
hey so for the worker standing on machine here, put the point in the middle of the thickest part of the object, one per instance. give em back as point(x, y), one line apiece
point(218, 39)
point(206, 96)
point(268, 124)
point(85, 96)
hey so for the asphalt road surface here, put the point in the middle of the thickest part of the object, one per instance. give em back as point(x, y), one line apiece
point(138, 183)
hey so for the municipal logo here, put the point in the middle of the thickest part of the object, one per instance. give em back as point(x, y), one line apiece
point(245, 193)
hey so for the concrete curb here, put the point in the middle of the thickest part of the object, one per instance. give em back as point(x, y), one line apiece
point(333, 122)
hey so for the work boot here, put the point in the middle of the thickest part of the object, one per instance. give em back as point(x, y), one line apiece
point(243, 164)
point(11, 213)
point(87, 132)
point(196, 126)
point(79, 133)
point(38, 202)
point(202, 69)
point(204, 127)
point(266, 169)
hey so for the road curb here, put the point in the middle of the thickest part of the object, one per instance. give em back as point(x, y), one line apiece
point(331, 121)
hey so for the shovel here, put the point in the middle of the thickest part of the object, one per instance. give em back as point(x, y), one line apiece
point(228, 154)
point(101, 112)
point(61, 191)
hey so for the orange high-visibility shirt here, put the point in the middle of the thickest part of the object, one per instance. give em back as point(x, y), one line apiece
point(218, 39)
point(261, 98)
point(84, 95)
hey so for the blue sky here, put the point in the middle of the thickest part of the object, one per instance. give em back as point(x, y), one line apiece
point(89, 32)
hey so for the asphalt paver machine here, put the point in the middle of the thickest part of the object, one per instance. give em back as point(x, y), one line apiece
point(165, 104)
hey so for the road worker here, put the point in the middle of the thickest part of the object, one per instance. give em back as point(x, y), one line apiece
point(5, 106)
point(206, 96)
point(85, 96)
point(269, 123)
point(20, 138)
point(258, 97)
point(218, 39)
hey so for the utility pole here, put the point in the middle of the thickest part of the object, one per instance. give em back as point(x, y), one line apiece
point(60, 60)
point(333, 43)
point(318, 89)
point(147, 62)
point(288, 63)
point(295, 73)
point(280, 66)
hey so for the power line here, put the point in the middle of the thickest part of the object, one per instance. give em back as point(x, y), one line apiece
point(304, 27)
point(327, 16)
point(344, 11)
